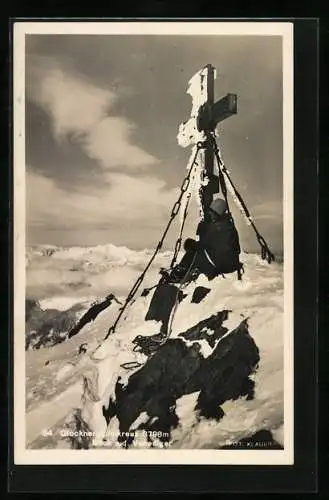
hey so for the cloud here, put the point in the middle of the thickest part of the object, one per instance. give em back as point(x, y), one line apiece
point(79, 109)
point(108, 142)
point(75, 106)
point(122, 200)
point(118, 202)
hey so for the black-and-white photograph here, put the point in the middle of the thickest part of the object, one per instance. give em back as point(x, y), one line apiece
point(153, 242)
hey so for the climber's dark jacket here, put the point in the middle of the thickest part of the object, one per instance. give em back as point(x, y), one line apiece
point(216, 252)
point(219, 244)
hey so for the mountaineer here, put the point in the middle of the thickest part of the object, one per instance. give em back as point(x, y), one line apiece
point(217, 248)
point(215, 253)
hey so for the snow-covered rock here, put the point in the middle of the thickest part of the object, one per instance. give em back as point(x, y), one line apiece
point(91, 385)
point(45, 328)
point(178, 369)
point(232, 361)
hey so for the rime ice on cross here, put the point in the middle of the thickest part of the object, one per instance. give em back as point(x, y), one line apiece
point(205, 115)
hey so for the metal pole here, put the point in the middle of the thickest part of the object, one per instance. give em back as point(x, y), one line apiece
point(213, 185)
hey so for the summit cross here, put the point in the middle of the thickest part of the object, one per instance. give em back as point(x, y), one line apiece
point(205, 116)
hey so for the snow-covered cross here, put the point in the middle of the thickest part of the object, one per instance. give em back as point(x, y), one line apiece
point(205, 115)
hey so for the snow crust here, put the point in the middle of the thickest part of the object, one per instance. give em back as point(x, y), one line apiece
point(259, 297)
point(261, 302)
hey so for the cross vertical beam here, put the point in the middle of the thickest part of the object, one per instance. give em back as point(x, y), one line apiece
point(213, 184)
point(205, 115)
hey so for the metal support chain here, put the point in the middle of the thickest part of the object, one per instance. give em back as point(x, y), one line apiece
point(265, 251)
point(173, 214)
point(151, 343)
point(178, 243)
point(179, 288)
point(220, 172)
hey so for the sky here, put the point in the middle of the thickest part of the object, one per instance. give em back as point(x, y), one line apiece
point(102, 114)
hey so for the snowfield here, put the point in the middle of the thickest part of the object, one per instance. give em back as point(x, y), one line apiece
point(60, 277)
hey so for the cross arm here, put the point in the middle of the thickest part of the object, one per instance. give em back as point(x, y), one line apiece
point(210, 115)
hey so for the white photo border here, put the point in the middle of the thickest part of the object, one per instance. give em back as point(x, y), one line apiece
point(23, 456)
